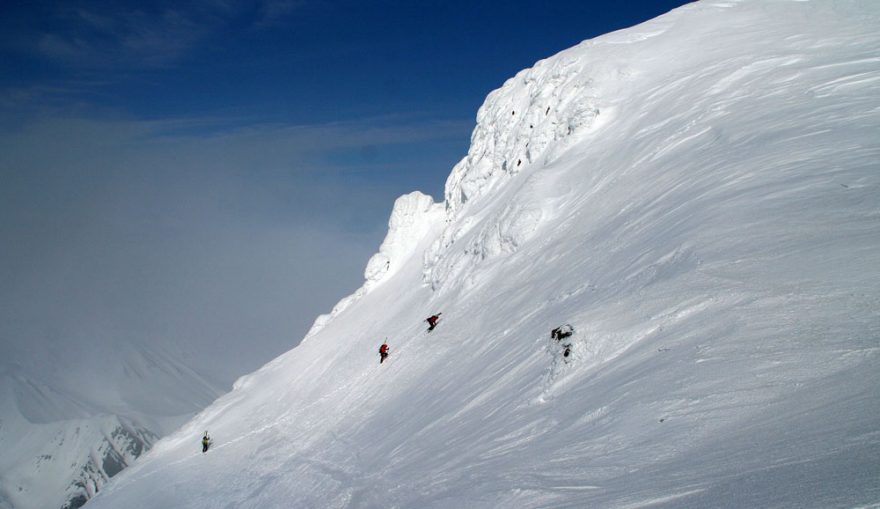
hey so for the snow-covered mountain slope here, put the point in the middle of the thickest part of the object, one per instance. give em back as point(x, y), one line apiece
point(63, 463)
point(63, 437)
point(699, 196)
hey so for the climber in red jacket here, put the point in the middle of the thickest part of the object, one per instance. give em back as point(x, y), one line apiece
point(383, 352)
point(432, 321)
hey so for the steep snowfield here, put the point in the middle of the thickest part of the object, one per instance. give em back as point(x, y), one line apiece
point(699, 196)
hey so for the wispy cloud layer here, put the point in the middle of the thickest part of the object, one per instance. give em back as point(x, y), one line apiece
point(218, 242)
point(132, 35)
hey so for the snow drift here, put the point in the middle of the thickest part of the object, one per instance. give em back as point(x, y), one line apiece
point(698, 197)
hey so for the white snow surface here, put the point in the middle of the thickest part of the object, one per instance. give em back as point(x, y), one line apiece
point(61, 441)
point(411, 220)
point(699, 196)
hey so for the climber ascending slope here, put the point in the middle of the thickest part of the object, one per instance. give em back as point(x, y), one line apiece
point(206, 442)
point(432, 321)
point(383, 352)
point(561, 335)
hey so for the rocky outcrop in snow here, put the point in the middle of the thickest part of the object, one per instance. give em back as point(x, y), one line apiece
point(120, 443)
point(61, 444)
point(78, 456)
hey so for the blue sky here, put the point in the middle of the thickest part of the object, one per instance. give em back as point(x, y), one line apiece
point(212, 170)
point(289, 61)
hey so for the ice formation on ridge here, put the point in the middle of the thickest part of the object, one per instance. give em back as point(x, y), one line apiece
point(411, 219)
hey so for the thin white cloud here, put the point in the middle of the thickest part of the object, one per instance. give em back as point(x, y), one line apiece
point(87, 35)
point(97, 21)
point(63, 48)
point(229, 243)
point(274, 12)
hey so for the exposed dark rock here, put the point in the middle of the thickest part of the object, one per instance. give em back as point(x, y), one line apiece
point(122, 444)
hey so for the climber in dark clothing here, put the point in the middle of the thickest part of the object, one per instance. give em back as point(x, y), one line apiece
point(432, 321)
point(383, 352)
point(560, 334)
point(206, 441)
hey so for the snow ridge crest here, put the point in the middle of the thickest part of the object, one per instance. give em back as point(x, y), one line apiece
point(518, 122)
point(411, 221)
point(522, 127)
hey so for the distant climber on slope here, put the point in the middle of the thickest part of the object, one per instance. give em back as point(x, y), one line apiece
point(562, 332)
point(432, 321)
point(206, 441)
point(383, 352)
point(561, 335)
